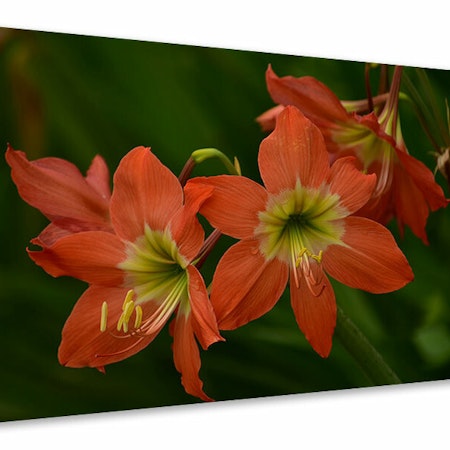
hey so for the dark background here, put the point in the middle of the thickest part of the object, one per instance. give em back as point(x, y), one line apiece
point(75, 97)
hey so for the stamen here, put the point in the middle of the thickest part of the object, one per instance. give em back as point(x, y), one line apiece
point(316, 286)
point(120, 322)
point(296, 243)
point(165, 309)
point(129, 308)
point(150, 324)
point(138, 319)
point(299, 257)
point(318, 257)
point(128, 311)
point(294, 269)
point(312, 274)
point(128, 298)
point(304, 250)
point(104, 317)
point(384, 180)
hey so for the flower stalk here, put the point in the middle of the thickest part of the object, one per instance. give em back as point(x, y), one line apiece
point(207, 247)
point(206, 153)
point(202, 154)
point(367, 357)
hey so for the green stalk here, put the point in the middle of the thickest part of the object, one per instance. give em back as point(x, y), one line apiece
point(202, 154)
point(367, 357)
point(206, 153)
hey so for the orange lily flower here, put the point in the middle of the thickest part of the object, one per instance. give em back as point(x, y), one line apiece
point(139, 274)
point(57, 188)
point(300, 226)
point(406, 188)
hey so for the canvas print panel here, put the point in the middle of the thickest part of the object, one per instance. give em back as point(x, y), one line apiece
point(191, 224)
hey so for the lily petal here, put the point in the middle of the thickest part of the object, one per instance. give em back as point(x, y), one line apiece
point(184, 225)
point(204, 321)
point(369, 260)
point(267, 119)
point(246, 285)
point(353, 187)
point(58, 189)
point(424, 179)
point(413, 180)
point(234, 204)
point(295, 150)
point(84, 345)
point(145, 192)
point(98, 177)
point(49, 235)
point(91, 256)
point(186, 356)
point(413, 213)
point(313, 98)
point(315, 315)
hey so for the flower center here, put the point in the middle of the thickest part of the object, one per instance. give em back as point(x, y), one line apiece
point(155, 272)
point(297, 226)
point(376, 154)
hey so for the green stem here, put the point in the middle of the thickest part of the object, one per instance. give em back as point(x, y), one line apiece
point(370, 361)
point(206, 153)
point(202, 154)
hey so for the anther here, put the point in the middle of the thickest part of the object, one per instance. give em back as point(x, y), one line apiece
point(128, 299)
point(104, 317)
point(138, 319)
point(127, 309)
point(120, 322)
point(304, 251)
point(300, 255)
point(318, 257)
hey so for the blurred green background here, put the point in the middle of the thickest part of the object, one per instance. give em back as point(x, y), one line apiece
point(76, 96)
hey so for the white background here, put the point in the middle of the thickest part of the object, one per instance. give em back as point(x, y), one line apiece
point(407, 416)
